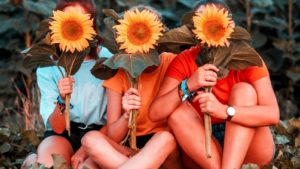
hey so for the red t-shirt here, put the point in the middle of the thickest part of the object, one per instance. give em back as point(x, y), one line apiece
point(183, 66)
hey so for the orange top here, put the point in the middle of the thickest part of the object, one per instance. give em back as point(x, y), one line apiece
point(149, 84)
point(184, 65)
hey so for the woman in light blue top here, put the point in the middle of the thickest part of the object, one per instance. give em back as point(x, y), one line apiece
point(88, 100)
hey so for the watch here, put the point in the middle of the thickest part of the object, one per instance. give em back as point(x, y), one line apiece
point(230, 112)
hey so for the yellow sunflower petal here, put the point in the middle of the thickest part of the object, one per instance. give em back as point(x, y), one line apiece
point(71, 30)
point(138, 31)
point(212, 26)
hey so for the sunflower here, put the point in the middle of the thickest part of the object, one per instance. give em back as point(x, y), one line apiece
point(71, 29)
point(138, 31)
point(213, 26)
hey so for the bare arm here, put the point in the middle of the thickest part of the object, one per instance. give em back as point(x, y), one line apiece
point(265, 113)
point(117, 124)
point(168, 93)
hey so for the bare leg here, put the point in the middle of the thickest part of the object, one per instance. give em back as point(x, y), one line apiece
point(174, 160)
point(101, 151)
point(29, 160)
point(254, 144)
point(54, 145)
point(189, 131)
point(106, 155)
point(188, 163)
point(89, 163)
point(154, 153)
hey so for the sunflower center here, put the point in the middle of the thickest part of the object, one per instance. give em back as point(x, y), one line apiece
point(214, 30)
point(139, 33)
point(72, 30)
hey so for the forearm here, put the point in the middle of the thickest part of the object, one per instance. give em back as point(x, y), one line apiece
point(165, 105)
point(118, 130)
point(57, 120)
point(256, 116)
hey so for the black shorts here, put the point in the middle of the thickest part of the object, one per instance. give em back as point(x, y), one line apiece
point(78, 130)
point(218, 131)
point(141, 140)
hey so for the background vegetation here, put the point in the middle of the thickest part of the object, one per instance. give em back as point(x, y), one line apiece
point(274, 25)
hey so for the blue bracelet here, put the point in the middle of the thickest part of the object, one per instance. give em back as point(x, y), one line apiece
point(184, 90)
point(61, 101)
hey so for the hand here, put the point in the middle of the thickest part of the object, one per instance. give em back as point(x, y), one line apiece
point(210, 104)
point(65, 86)
point(204, 76)
point(131, 100)
point(78, 158)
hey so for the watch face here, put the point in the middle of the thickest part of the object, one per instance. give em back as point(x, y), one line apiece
point(231, 111)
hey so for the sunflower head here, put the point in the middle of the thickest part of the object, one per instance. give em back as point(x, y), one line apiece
point(213, 26)
point(138, 31)
point(71, 29)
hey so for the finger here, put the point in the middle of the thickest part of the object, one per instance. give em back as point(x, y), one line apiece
point(210, 67)
point(134, 97)
point(212, 73)
point(210, 79)
point(64, 92)
point(209, 84)
point(133, 91)
point(134, 107)
point(133, 102)
point(66, 88)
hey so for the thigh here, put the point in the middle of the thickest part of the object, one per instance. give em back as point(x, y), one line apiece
point(188, 128)
point(262, 147)
point(54, 145)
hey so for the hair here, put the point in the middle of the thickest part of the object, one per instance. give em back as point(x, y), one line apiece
point(88, 6)
point(217, 2)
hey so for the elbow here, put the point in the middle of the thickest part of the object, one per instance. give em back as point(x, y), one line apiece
point(276, 116)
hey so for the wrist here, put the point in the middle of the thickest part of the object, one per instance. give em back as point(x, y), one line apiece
point(224, 111)
point(189, 86)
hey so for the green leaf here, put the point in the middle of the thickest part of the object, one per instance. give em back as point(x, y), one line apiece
point(134, 64)
point(71, 62)
point(187, 19)
point(112, 13)
point(43, 29)
point(102, 71)
point(243, 56)
point(175, 38)
point(59, 162)
point(4, 148)
point(39, 55)
point(240, 34)
point(43, 7)
point(108, 37)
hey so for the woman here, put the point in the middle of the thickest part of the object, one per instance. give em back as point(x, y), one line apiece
point(242, 106)
point(88, 99)
point(154, 141)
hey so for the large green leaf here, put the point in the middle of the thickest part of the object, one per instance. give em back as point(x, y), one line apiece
point(59, 162)
point(71, 62)
point(108, 36)
point(39, 55)
point(243, 56)
point(43, 7)
point(134, 64)
point(240, 34)
point(102, 71)
point(111, 13)
point(174, 39)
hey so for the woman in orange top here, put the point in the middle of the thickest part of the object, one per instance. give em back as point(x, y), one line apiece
point(243, 102)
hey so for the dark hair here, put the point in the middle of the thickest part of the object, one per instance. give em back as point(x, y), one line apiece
point(218, 2)
point(88, 6)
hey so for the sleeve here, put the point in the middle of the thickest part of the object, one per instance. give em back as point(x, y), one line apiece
point(116, 83)
point(49, 93)
point(178, 68)
point(253, 73)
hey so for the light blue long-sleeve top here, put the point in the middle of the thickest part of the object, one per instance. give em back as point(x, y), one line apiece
point(88, 96)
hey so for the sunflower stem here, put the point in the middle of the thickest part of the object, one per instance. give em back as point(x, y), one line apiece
point(208, 129)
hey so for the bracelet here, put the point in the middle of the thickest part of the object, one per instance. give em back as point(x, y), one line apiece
point(183, 90)
point(61, 102)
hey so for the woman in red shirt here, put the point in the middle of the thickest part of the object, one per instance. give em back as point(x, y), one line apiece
point(243, 102)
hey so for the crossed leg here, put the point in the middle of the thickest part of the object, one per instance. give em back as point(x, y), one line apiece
point(110, 155)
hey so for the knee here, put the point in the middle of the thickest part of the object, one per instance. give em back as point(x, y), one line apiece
point(176, 118)
point(90, 139)
point(243, 94)
point(29, 160)
point(166, 139)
